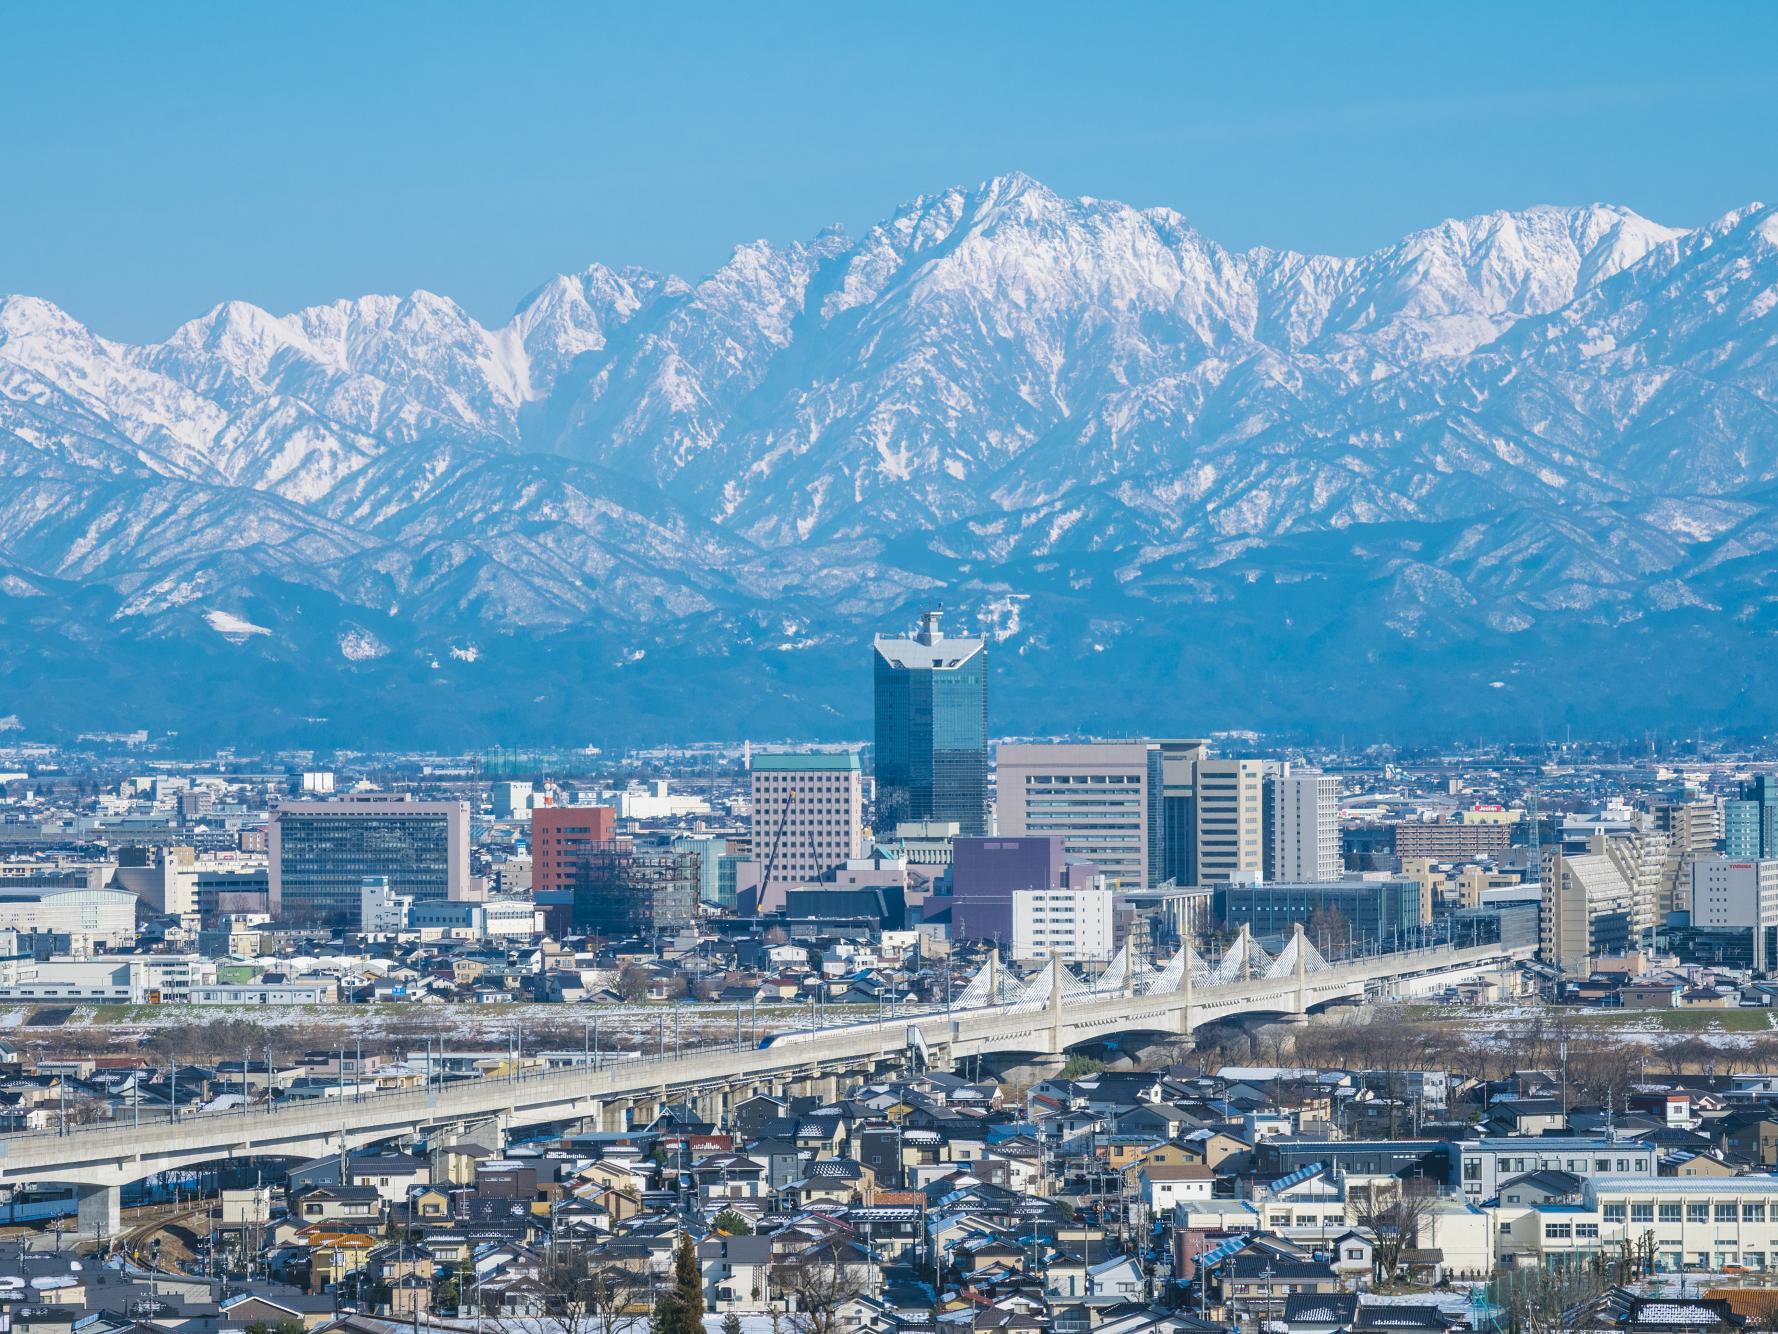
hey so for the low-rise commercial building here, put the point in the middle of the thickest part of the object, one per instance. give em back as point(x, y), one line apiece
point(1335, 912)
point(321, 991)
point(1074, 925)
point(94, 919)
point(148, 979)
point(1695, 1223)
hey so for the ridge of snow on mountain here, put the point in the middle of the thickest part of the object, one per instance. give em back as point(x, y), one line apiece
point(1052, 413)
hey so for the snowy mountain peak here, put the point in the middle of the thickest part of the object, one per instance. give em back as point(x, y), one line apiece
point(1526, 423)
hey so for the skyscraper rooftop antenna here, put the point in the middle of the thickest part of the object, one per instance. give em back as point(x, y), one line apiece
point(928, 633)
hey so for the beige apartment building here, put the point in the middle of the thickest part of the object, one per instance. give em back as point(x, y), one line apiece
point(1230, 819)
point(1602, 900)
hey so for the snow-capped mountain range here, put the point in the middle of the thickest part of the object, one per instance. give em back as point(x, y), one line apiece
point(1512, 467)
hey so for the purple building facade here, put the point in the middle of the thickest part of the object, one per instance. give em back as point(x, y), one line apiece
point(986, 871)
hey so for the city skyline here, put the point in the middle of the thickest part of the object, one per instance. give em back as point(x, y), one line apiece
point(1169, 727)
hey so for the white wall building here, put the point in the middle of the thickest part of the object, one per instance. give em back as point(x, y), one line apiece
point(271, 993)
point(492, 919)
point(1073, 925)
point(1488, 1161)
point(92, 919)
point(511, 800)
point(147, 979)
point(1302, 827)
point(1694, 1223)
point(1734, 893)
point(382, 911)
point(653, 801)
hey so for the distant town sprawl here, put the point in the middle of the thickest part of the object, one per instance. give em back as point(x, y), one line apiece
point(947, 1030)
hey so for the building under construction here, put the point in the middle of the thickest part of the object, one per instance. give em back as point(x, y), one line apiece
point(635, 887)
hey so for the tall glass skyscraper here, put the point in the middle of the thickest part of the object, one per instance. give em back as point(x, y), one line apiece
point(932, 728)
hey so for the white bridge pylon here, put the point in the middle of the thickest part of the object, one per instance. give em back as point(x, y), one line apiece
point(1036, 994)
point(1246, 958)
point(1127, 974)
point(1285, 964)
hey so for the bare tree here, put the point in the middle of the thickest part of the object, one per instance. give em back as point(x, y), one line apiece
point(1391, 1212)
point(634, 981)
point(588, 1293)
point(818, 1285)
point(1600, 1071)
point(1680, 1051)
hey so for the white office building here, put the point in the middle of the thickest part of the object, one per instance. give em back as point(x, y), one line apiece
point(1737, 894)
point(1073, 925)
point(1302, 827)
point(382, 912)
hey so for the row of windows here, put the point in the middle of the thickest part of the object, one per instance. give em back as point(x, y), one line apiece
point(1472, 1167)
point(1695, 1211)
point(1088, 779)
point(1562, 1231)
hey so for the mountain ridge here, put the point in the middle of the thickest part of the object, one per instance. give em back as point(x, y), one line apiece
point(1079, 422)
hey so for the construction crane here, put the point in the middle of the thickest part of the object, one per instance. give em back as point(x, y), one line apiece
point(777, 838)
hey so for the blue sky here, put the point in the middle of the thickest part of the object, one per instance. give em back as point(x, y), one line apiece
point(159, 159)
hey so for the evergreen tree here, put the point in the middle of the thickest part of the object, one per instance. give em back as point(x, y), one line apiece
point(733, 1222)
point(680, 1308)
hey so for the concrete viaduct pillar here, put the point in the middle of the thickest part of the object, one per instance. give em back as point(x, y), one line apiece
point(1055, 1042)
point(1185, 985)
point(1302, 972)
point(99, 1211)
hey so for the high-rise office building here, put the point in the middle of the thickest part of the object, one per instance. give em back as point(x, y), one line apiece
point(1103, 799)
point(1302, 819)
point(321, 851)
point(932, 727)
point(1750, 824)
point(1229, 805)
point(808, 819)
point(561, 839)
